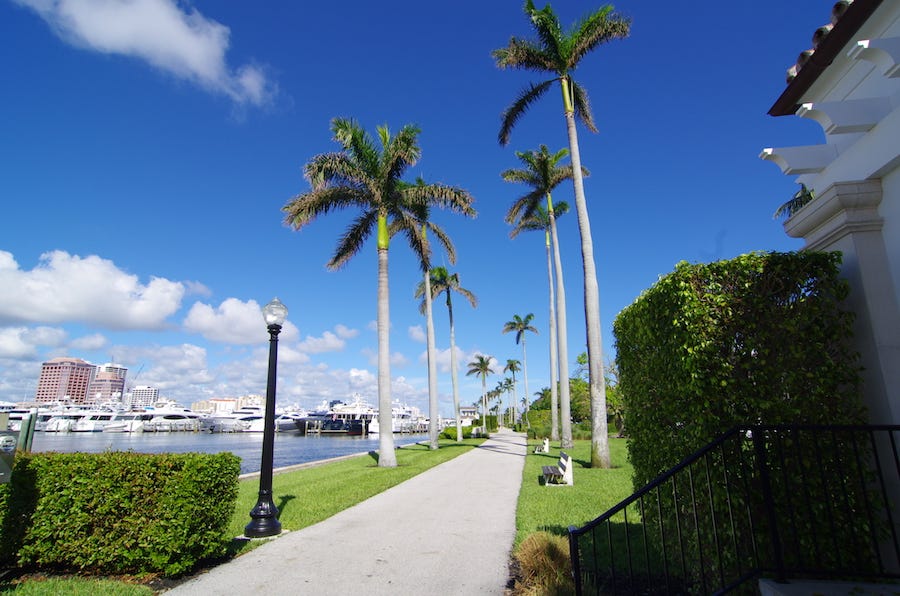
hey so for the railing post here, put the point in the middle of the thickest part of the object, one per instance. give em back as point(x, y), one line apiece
point(759, 446)
point(576, 563)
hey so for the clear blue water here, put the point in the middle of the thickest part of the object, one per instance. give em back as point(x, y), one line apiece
point(290, 447)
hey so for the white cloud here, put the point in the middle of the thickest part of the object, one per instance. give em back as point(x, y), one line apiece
point(174, 38)
point(329, 342)
point(13, 343)
point(95, 341)
point(232, 322)
point(345, 332)
point(416, 333)
point(396, 359)
point(95, 292)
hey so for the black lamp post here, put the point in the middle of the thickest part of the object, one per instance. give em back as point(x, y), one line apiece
point(264, 517)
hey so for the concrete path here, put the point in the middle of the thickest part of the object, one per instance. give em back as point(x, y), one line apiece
point(446, 531)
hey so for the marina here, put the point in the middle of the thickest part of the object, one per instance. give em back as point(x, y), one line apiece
point(290, 447)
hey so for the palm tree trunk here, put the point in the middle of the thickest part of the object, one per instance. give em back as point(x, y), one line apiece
point(386, 456)
point(515, 399)
point(565, 401)
point(554, 354)
point(525, 377)
point(483, 406)
point(599, 431)
point(432, 368)
point(454, 373)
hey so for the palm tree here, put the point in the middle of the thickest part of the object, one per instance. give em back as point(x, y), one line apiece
point(481, 366)
point(442, 281)
point(520, 326)
point(557, 53)
point(508, 389)
point(512, 367)
point(425, 291)
point(368, 177)
point(542, 173)
point(792, 206)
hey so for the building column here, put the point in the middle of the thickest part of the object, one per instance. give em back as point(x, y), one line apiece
point(845, 217)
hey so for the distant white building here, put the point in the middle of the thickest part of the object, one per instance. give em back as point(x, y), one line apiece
point(143, 396)
point(849, 83)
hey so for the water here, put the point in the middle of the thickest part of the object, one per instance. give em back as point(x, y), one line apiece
point(290, 447)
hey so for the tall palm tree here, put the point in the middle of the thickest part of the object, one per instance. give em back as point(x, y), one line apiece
point(543, 174)
point(422, 212)
point(481, 366)
point(520, 326)
point(368, 177)
point(558, 53)
point(512, 367)
point(442, 281)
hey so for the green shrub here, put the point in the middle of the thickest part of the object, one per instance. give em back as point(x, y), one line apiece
point(118, 512)
point(450, 432)
point(759, 339)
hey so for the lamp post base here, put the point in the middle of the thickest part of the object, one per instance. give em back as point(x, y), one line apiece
point(264, 521)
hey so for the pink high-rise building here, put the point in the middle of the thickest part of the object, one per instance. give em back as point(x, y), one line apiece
point(65, 379)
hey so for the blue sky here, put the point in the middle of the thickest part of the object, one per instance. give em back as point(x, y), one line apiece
point(147, 147)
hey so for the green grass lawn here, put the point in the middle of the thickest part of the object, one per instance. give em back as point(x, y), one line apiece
point(554, 508)
point(307, 496)
point(304, 497)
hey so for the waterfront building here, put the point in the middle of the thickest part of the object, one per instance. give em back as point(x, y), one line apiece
point(107, 386)
point(65, 380)
point(143, 396)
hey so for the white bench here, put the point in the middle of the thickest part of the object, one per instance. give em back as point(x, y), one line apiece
point(543, 447)
point(561, 473)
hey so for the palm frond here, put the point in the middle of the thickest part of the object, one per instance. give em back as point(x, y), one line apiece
point(800, 198)
point(598, 28)
point(583, 106)
point(304, 208)
point(354, 237)
point(518, 108)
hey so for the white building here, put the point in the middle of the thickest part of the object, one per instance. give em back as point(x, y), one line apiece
point(143, 396)
point(849, 83)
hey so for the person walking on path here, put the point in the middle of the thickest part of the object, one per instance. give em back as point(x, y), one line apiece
point(447, 531)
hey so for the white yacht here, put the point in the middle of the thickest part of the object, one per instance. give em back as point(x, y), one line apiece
point(95, 421)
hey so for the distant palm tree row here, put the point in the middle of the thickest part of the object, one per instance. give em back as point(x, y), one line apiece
point(368, 176)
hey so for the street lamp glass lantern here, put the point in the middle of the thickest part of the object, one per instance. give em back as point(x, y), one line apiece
point(275, 312)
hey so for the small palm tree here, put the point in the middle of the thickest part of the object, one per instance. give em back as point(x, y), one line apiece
point(512, 367)
point(520, 326)
point(508, 389)
point(442, 281)
point(368, 177)
point(481, 366)
point(800, 198)
point(557, 53)
point(543, 174)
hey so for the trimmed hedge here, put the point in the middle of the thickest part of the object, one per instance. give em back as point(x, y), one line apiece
point(759, 339)
point(117, 512)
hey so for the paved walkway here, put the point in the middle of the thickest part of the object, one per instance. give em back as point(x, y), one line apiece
point(446, 531)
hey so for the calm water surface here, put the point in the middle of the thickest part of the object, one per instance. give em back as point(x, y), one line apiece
point(290, 447)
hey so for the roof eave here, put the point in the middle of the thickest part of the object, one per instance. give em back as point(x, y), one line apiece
point(844, 30)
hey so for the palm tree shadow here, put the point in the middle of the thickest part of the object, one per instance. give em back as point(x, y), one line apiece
point(282, 503)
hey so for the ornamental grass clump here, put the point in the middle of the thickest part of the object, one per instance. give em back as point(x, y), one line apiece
point(544, 566)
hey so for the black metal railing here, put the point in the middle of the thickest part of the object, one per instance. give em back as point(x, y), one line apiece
point(784, 501)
